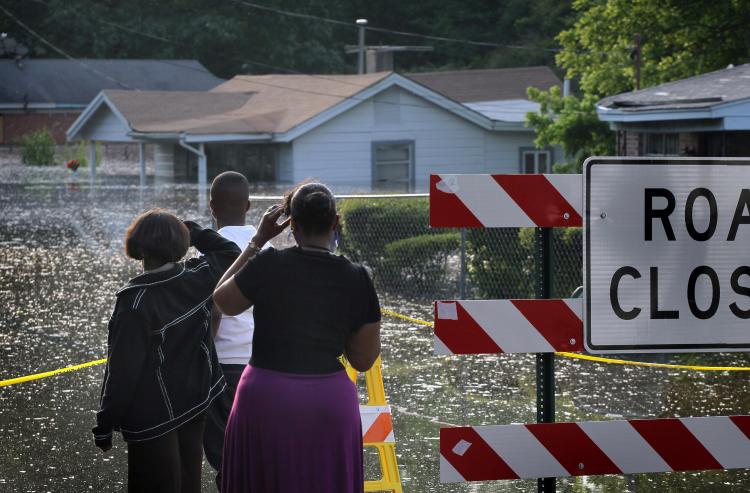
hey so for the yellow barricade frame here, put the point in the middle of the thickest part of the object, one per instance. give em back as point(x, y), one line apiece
point(390, 479)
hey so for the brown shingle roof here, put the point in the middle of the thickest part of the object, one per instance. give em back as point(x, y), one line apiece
point(244, 104)
point(488, 85)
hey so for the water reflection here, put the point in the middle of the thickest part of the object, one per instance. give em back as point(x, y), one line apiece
point(61, 261)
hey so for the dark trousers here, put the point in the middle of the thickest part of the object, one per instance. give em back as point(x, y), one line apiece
point(217, 415)
point(168, 464)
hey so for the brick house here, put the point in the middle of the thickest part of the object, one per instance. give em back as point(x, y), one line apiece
point(705, 115)
point(52, 93)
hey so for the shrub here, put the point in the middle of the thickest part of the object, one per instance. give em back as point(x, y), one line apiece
point(38, 148)
point(567, 261)
point(393, 237)
point(368, 225)
point(500, 262)
point(420, 264)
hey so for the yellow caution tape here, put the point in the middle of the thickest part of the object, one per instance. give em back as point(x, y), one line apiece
point(404, 317)
point(587, 357)
point(599, 359)
point(37, 376)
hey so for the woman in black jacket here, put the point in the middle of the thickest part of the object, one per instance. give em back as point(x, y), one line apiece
point(162, 371)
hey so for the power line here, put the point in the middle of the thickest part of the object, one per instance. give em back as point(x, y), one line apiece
point(283, 69)
point(293, 89)
point(63, 53)
point(486, 44)
point(240, 59)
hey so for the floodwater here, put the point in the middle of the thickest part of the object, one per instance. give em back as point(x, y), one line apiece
point(61, 260)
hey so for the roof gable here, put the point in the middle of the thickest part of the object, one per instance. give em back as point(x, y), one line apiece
point(284, 108)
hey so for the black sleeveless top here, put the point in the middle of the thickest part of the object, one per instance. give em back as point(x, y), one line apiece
point(306, 303)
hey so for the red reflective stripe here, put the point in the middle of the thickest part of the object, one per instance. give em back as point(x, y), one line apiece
point(573, 449)
point(379, 430)
point(540, 200)
point(675, 444)
point(479, 462)
point(743, 423)
point(448, 211)
point(465, 335)
point(555, 321)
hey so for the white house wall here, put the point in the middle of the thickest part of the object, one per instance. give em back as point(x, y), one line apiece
point(339, 151)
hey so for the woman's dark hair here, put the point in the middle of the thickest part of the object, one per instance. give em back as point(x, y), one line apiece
point(157, 234)
point(312, 207)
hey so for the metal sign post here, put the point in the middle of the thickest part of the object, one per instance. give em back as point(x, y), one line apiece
point(545, 362)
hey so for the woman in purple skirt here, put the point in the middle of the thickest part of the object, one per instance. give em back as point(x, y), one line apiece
point(295, 425)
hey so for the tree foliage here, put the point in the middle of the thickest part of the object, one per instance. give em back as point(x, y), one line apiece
point(230, 37)
point(571, 122)
point(679, 39)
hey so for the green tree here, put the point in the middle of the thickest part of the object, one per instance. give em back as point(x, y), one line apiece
point(679, 39)
point(230, 37)
point(569, 121)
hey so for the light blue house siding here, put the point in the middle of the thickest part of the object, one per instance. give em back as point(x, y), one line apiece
point(340, 152)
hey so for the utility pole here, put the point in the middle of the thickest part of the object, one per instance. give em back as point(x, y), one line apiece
point(362, 23)
point(637, 56)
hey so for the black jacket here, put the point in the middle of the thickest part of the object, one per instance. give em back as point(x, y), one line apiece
point(162, 368)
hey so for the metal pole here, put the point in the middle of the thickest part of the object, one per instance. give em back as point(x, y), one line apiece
point(92, 163)
point(361, 53)
point(545, 362)
point(142, 162)
point(462, 286)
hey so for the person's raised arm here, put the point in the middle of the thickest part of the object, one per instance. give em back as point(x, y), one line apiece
point(217, 250)
point(227, 297)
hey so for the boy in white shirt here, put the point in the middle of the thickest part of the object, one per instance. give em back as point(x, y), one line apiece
point(233, 336)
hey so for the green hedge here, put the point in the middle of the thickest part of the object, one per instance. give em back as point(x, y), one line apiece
point(38, 148)
point(393, 237)
point(500, 262)
point(412, 260)
point(368, 225)
point(420, 264)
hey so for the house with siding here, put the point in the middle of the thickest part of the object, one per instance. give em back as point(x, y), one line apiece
point(38, 93)
point(380, 131)
point(705, 115)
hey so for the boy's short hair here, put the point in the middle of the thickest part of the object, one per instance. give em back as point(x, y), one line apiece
point(157, 234)
point(230, 190)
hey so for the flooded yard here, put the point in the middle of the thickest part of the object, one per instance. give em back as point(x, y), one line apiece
point(61, 261)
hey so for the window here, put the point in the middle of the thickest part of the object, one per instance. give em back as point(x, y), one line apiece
point(662, 144)
point(393, 166)
point(258, 162)
point(536, 160)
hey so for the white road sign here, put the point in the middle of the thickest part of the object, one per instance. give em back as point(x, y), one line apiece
point(667, 255)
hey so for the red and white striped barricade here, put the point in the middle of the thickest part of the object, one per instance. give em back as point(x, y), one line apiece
point(377, 425)
point(508, 326)
point(484, 453)
point(506, 201)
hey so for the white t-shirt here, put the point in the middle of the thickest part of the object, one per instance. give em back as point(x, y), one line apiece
point(234, 341)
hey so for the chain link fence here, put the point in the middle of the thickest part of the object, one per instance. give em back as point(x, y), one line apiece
point(410, 261)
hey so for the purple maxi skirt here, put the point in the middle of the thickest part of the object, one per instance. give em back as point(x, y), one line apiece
point(290, 433)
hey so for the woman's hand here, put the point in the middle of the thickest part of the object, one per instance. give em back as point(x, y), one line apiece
point(268, 227)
